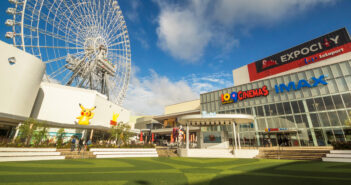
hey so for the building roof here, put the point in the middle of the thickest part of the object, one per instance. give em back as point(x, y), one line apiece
point(216, 119)
point(173, 115)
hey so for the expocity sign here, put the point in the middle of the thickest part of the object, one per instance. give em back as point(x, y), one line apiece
point(300, 84)
point(321, 48)
point(241, 95)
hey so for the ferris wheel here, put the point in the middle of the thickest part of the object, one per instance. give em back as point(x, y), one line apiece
point(84, 43)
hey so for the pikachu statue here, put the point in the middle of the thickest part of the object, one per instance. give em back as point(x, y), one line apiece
point(114, 119)
point(85, 115)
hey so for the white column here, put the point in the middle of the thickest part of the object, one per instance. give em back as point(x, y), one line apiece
point(187, 138)
point(239, 140)
point(16, 133)
point(234, 132)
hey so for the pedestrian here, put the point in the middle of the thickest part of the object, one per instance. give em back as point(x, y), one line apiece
point(73, 143)
point(80, 145)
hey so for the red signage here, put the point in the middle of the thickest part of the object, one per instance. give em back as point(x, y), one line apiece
point(327, 46)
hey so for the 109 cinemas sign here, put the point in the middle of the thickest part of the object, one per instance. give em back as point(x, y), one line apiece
point(326, 42)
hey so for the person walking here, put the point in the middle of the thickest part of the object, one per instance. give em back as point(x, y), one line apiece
point(73, 143)
point(80, 145)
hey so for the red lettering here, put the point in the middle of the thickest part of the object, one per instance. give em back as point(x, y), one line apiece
point(265, 91)
point(222, 98)
point(255, 93)
point(251, 93)
point(260, 93)
point(245, 95)
point(239, 95)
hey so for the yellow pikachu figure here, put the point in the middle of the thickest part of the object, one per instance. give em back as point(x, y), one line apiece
point(114, 119)
point(85, 115)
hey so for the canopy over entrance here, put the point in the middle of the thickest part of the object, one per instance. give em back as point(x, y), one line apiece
point(216, 119)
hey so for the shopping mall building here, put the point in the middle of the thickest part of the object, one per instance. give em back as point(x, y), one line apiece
point(298, 97)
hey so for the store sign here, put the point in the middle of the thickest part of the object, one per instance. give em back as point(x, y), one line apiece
point(275, 129)
point(302, 83)
point(318, 45)
point(326, 46)
point(241, 95)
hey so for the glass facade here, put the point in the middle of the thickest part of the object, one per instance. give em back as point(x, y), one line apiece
point(312, 116)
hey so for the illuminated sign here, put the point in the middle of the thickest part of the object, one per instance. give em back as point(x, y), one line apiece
point(241, 95)
point(275, 129)
point(302, 83)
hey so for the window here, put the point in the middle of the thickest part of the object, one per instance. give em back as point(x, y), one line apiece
point(315, 120)
point(299, 122)
point(302, 108)
point(280, 109)
point(290, 123)
point(329, 105)
point(259, 111)
point(287, 108)
point(347, 100)
point(248, 111)
point(342, 116)
point(304, 120)
point(310, 106)
point(272, 109)
point(319, 104)
point(334, 120)
point(324, 118)
point(295, 107)
point(338, 101)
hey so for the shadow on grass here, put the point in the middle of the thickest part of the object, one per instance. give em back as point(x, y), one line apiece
point(294, 173)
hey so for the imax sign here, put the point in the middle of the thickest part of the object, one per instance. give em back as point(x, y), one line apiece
point(302, 83)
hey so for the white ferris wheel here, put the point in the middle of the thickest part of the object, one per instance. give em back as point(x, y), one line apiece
point(84, 43)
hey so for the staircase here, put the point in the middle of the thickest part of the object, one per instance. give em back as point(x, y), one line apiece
point(206, 153)
point(75, 155)
point(338, 156)
point(29, 154)
point(293, 154)
point(124, 152)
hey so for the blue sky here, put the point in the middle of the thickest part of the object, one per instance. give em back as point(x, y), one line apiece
point(183, 48)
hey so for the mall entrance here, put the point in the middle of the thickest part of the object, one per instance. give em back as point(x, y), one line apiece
point(279, 138)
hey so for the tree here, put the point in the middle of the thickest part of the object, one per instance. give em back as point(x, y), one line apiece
point(40, 133)
point(120, 133)
point(59, 137)
point(28, 129)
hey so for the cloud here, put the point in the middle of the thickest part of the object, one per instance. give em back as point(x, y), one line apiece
point(149, 95)
point(182, 33)
point(133, 13)
point(185, 29)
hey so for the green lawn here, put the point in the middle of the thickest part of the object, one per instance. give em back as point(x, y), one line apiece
point(144, 171)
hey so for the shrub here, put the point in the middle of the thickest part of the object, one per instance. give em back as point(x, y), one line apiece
point(342, 145)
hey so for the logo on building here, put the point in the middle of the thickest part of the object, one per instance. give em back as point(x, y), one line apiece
point(300, 84)
point(268, 63)
point(241, 95)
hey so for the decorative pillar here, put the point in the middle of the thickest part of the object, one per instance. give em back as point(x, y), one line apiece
point(239, 140)
point(17, 130)
point(309, 120)
point(91, 134)
point(234, 136)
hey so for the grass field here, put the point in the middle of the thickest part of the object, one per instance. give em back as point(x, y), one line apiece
point(145, 171)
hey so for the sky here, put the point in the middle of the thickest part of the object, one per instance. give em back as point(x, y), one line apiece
point(182, 48)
